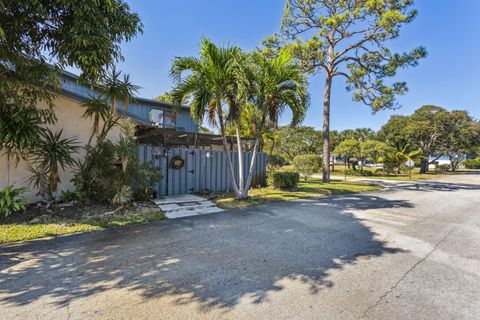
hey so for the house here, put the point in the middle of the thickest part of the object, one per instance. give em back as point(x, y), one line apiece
point(160, 125)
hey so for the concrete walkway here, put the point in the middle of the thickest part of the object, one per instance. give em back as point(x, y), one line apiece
point(409, 252)
point(185, 205)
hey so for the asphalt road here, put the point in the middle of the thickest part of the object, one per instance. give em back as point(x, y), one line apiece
point(411, 251)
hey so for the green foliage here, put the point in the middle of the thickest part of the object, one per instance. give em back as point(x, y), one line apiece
point(283, 180)
point(50, 155)
point(69, 196)
point(461, 137)
point(123, 195)
point(11, 200)
point(142, 179)
point(100, 176)
point(360, 173)
point(275, 162)
point(348, 148)
point(442, 168)
point(118, 90)
point(394, 132)
point(348, 39)
point(221, 81)
point(35, 34)
point(389, 165)
point(472, 163)
point(307, 164)
point(292, 141)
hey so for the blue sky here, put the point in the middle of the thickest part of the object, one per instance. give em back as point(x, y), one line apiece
point(449, 76)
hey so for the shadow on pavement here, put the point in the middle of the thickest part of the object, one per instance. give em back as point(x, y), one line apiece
point(214, 260)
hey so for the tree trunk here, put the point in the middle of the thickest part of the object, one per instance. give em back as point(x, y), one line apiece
point(326, 129)
point(227, 151)
point(250, 170)
point(241, 182)
point(424, 166)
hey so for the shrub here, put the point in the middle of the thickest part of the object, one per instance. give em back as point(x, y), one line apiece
point(360, 173)
point(284, 180)
point(11, 200)
point(389, 166)
point(103, 178)
point(307, 164)
point(52, 153)
point(68, 196)
point(472, 163)
point(442, 168)
point(275, 162)
point(124, 195)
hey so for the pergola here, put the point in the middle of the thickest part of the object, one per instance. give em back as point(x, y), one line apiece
point(166, 137)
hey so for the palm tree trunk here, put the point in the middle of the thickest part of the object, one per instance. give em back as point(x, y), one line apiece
point(227, 151)
point(241, 180)
point(251, 169)
point(326, 129)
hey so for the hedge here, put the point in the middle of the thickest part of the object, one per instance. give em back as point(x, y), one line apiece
point(362, 173)
point(472, 163)
point(283, 180)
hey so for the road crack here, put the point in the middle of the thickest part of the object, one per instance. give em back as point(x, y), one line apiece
point(389, 291)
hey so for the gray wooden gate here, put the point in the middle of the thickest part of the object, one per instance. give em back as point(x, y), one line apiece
point(202, 169)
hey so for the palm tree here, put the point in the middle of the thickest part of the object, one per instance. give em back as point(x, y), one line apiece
point(400, 156)
point(215, 76)
point(222, 81)
point(52, 153)
point(278, 83)
point(96, 108)
point(117, 89)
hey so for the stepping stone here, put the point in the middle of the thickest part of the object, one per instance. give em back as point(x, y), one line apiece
point(191, 213)
point(185, 205)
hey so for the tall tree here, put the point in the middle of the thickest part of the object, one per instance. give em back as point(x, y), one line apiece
point(213, 77)
point(461, 138)
point(425, 131)
point(394, 133)
point(349, 38)
point(41, 37)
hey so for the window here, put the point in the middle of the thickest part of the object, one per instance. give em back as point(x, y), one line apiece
point(163, 118)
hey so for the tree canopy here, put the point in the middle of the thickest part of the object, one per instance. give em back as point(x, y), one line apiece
point(38, 39)
point(349, 39)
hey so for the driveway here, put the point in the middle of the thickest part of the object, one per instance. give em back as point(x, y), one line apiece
point(411, 251)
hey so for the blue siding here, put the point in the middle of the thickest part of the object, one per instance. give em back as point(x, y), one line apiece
point(138, 109)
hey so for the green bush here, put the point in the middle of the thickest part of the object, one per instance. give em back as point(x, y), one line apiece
point(472, 163)
point(359, 173)
point(103, 178)
point(11, 200)
point(284, 180)
point(68, 196)
point(442, 168)
point(275, 162)
point(307, 164)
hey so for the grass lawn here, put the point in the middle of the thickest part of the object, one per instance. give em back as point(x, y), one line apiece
point(306, 189)
point(71, 220)
point(416, 175)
